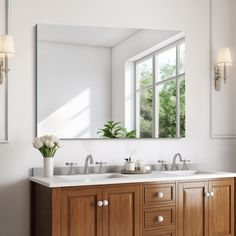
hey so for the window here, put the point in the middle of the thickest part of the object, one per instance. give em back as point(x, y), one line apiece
point(160, 93)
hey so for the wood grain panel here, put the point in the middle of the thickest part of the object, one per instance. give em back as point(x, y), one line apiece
point(221, 207)
point(193, 209)
point(80, 214)
point(121, 217)
point(56, 208)
point(151, 191)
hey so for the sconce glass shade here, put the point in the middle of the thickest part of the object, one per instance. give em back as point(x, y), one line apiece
point(225, 57)
point(6, 46)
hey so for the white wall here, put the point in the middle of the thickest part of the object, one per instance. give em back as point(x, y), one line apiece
point(74, 89)
point(2, 86)
point(16, 158)
point(223, 101)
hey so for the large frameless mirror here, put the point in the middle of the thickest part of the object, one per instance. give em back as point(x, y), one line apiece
point(96, 82)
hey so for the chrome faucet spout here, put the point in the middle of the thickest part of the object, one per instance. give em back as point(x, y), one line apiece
point(89, 159)
point(174, 166)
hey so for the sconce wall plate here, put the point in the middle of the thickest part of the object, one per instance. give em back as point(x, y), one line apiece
point(224, 60)
point(217, 78)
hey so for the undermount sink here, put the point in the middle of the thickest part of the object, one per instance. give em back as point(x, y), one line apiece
point(186, 172)
point(107, 176)
point(91, 177)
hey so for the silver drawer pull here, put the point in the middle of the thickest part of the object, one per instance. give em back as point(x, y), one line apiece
point(160, 194)
point(99, 203)
point(105, 203)
point(160, 218)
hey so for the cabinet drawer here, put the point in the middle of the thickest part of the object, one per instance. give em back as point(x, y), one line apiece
point(159, 217)
point(159, 193)
point(165, 232)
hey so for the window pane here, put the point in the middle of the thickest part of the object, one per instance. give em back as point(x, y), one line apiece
point(166, 64)
point(182, 58)
point(166, 106)
point(182, 107)
point(146, 113)
point(144, 70)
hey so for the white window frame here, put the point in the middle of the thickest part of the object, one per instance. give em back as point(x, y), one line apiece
point(154, 86)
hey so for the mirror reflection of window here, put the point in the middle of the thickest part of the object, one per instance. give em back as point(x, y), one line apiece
point(160, 93)
point(144, 98)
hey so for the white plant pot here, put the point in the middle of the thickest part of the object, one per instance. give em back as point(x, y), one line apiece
point(48, 167)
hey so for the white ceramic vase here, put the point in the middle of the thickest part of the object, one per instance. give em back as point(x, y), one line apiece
point(48, 167)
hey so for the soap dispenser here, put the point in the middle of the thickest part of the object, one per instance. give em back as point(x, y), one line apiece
point(129, 164)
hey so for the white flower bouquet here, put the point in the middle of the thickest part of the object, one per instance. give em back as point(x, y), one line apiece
point(47, 145)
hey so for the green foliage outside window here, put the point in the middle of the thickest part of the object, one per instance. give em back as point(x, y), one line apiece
point(146, 105)
point(167, 104)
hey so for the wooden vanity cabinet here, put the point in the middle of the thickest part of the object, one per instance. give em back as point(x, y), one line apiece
point(206, 208)
point(189, 208)
point(74, 211)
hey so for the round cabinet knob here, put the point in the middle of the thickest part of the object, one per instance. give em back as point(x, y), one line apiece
point(212, 194)
point(207, 194)
point(99, 203)
point(160, 194)
point(105, 203)
point(160, 218)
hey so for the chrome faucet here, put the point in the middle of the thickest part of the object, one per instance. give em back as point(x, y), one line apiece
point(86, 165)
point(173, 166)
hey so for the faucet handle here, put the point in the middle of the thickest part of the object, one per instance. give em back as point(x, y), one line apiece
point(161, 161)
point(185, 167)
point(100, 163)
point(71, 165)
point(100, 169)
point(163, 167)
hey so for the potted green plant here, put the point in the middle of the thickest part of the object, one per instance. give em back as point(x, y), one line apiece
point(113, 129)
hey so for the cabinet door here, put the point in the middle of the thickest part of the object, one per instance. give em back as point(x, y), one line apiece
point(121, 217)
point(80, 214)
point(193, 209)
point(221, 208)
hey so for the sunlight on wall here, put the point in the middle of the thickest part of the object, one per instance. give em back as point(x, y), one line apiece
point(70, 120)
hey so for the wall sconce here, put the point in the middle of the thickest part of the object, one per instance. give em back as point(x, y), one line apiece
point(224, 60)
point(7, 50)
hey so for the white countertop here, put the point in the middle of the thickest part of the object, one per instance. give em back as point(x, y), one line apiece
point(117, 178)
